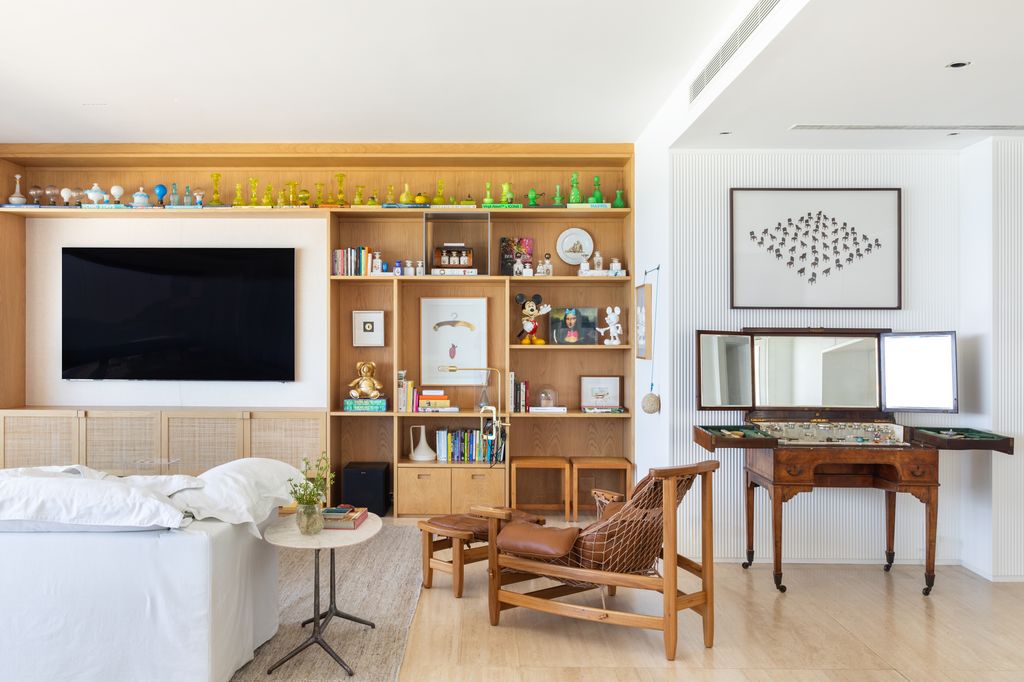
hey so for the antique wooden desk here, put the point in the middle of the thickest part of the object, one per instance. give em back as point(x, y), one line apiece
point(789, 450)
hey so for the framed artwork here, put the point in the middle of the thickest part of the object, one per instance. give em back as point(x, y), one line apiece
point(815, 248)
point(367, 328)
point(642, 334)
point(453, 331)
point(513, 250)
point(601, 391)
point(573, 326)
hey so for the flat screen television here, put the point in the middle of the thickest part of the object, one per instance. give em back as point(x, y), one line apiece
point(184, 314)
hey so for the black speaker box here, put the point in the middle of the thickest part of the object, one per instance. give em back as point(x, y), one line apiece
point(367, 484)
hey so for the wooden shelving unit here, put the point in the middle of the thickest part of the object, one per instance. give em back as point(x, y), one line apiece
point(399, 234)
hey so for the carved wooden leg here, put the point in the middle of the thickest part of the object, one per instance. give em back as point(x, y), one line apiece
point(428, 553)
point(931, 514)
point(749, 485)
point(777, 497)
point(457, 566)
point(890, 528)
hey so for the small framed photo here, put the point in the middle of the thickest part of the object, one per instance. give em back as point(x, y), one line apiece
point(574, 326)
point(367, 327)
point(600, 391)
point(643, 333)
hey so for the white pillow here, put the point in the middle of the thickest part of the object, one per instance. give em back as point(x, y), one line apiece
point(244, 490)
point(164, 485)
point(87, 502)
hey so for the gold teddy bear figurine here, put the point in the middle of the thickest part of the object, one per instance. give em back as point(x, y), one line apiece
point(365, 385)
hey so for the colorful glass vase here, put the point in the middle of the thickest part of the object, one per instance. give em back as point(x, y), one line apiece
point(215, 199)
point(618, 201)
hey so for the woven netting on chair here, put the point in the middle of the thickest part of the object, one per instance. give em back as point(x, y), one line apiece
point(630, 540)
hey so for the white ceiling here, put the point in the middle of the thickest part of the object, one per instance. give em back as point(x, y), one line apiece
point(875, 62)
point(401, 70)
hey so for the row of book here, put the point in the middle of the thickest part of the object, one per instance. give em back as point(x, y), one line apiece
point(519, 394)
point(355, 260)
point(413, 399)
point(466, 445)
point(343, 517)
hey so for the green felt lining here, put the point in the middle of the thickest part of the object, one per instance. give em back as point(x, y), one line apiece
point(747, 431)
point(966, 433)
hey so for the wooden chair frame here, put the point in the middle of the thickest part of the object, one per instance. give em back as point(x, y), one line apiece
point(504, 569)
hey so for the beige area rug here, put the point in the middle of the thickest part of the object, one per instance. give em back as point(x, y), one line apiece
point(378, 580)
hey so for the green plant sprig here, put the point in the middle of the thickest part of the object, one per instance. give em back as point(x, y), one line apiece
point(313, 489)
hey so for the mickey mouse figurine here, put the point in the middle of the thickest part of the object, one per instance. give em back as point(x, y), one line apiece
point(613, 328)
point(532, 309)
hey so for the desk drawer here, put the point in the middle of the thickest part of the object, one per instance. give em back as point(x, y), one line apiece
point(423, 491)
point(484, 486)
point(960, 439)
point(712, 437)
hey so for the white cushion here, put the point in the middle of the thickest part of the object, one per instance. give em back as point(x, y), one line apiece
point(164, 485)
point(88, 502)
point(244, 490)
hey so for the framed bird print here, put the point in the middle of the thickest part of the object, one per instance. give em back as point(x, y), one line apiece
point(453, 331)
point(815, 248)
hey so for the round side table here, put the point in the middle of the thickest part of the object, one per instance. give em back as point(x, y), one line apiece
point(285, 533)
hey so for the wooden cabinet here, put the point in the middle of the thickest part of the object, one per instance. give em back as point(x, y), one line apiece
point(197, 441)
point(286, 436)
point(477, 486)
point(426, 491)
point(32, 438)
point(122, 442)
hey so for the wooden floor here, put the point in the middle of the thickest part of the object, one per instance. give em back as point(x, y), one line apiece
point(834, 623)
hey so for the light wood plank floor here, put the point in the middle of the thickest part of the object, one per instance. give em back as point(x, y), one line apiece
point(834, 623)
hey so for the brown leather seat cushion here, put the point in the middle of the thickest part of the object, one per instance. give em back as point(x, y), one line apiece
point(477, 525)
point(610, 509)
point(537, 542)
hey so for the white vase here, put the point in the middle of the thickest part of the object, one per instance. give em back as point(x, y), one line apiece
point(421, 452)
point(17, 198)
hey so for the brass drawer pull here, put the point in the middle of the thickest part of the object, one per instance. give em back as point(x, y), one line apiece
point(918, 471)
point(794, 469)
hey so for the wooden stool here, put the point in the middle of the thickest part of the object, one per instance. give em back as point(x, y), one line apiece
point(607, 463)
point(457, 531)
point(559, 463)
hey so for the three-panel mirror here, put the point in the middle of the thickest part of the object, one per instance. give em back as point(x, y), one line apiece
point(838, 370)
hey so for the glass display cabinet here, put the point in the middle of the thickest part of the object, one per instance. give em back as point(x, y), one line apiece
point(820, 410)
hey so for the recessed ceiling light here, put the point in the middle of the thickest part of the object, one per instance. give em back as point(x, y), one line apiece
point(957, 65)
point(725, 132)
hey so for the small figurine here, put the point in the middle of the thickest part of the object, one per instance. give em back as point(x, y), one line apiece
point(618, 202)
point(268, 195)
point(239, 200)
point(584, 267)
point(199, 194)
point(488, 199)
point(517, 267)
point(406, 196)
point(596, 197)
point(613, 326)
point(186, 199)
point(531, 310)
point(160, 191)
point(215, 201)
point(545, 268)
point(468, 201)
point(117, 191)
point(557, 200)
point(439, 199)
point(292, 197)
point(139, 200)
point(506, 193)
point(574, 190)
point(389, 198)
point(365, 385)
point(420, 199)
point(532, 196)
point(372, 201)
point(358, 201)
point(319, 193)
point(339, 178)
point(254, 191)
point(280, 198)
point(175, 200)
point(303, 197)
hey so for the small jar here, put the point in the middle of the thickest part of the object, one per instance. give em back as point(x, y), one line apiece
point(584, 267)
point(528, 270)
point(420, 270)
point(377, 265)
point(398, 268)
point(598, 261)
point(444, 258)
point(464, 258)
point(615, 266)
point(407, 270)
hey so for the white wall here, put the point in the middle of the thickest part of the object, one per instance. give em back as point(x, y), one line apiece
point(831, 525)
point(46, 237)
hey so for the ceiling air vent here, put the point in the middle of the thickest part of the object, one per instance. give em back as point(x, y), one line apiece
point(868, 126)
point(729, 48)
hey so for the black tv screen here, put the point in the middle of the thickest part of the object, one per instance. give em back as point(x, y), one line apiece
point(193, 314)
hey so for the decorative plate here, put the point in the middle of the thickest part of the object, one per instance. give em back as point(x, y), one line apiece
point(575, 245)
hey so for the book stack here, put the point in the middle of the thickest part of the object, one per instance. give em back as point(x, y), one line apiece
point(344, 517)
point(365, 405)
point(604, 410)
point(519, 393)
point(553, 409)
point(356, 260)
point(465, 445)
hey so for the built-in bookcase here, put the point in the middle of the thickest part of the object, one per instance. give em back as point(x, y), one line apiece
point(399, 234)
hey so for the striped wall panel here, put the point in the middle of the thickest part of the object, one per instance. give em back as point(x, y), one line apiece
point(825, 525)
point(1008, 355)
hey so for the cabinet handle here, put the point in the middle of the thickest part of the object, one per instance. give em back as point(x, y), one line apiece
point(917, 471)
point(794, 470)
point(422, 476)
point(478, 477)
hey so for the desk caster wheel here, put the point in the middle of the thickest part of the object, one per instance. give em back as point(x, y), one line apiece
point(929, 581)
point(887, 568)
point(778, 582)
point(782, 588)
point(750, 559)
point(926, 591)
point(889, 558)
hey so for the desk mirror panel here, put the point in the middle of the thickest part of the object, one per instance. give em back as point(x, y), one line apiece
point(724, 362)
point(816, 371)
point(919, 372)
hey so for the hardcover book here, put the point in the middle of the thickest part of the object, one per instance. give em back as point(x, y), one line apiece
point(514, 249)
